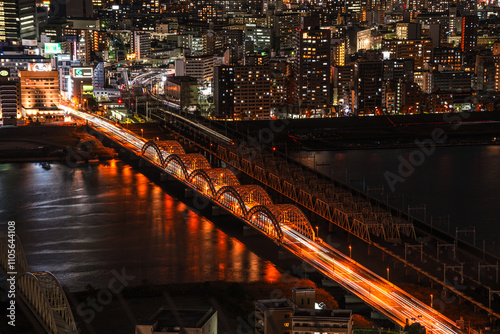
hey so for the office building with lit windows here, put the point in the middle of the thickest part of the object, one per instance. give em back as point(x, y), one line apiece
point(261, 37)
point(284, 26)
point(418, 50)
point(447, 59)
point(224, 91)
point(252, 96)
point(470, 25)
point(140, 44)
point(312, 66)
point(368, 78)
point(10, 94)
point(201, 68)
point(40, 93)
point(245, 92)
point(17, 20)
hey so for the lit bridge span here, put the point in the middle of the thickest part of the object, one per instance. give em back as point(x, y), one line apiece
point(285, 223)
point(40, 291)
point(250, 203)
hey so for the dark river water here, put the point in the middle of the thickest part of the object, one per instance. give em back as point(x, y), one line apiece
point(462, 182)
point(80, 224)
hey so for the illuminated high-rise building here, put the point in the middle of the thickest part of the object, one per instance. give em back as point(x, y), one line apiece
point(244, 92)
point(17, 20)
point(252, 93)
point(368, 85)
point(150, 6)
point(312, 67)
point(284, 27)
point(10, 94)
point(140, 44)
point(469, 32)
point(224, 91)
point(418, 50)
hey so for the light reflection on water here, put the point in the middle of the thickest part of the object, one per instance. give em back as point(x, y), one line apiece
point(80, 224)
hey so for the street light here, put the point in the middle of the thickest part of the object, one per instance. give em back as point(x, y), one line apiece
point(317, 231)
point(142, 133)
point(432, 300)
point(350, 251)
point(387, 273)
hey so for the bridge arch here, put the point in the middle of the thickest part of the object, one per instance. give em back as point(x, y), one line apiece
point(291, 216)
point(180, 165)
point(212, 179)
point(201, 181)
point(241, 199)
point(160, 150)
point(265, 220)
point(43, 292)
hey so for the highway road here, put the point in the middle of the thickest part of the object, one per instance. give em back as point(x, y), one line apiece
point(384, 296)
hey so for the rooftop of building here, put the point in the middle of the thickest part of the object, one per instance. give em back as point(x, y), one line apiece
point(307, 312)
point(304, 289)
point(173, 320)
point(14, 55)
point(275, 303)
point(179, 79)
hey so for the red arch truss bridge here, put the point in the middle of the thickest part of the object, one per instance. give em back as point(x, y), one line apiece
point(182, 165)
point(158, 151)
point(250, 203)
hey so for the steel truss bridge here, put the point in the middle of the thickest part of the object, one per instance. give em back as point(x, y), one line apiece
point(40, 291)
point(355, 214)
point(286, 224)
point(338, 206)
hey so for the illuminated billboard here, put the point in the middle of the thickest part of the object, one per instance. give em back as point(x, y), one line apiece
point(39, 67)
point(82, 72)
point(29, 42)
point(87, 89)
point(53, 48)
point(4, 72)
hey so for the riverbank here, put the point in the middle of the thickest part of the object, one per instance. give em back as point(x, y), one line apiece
point(51, 143)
